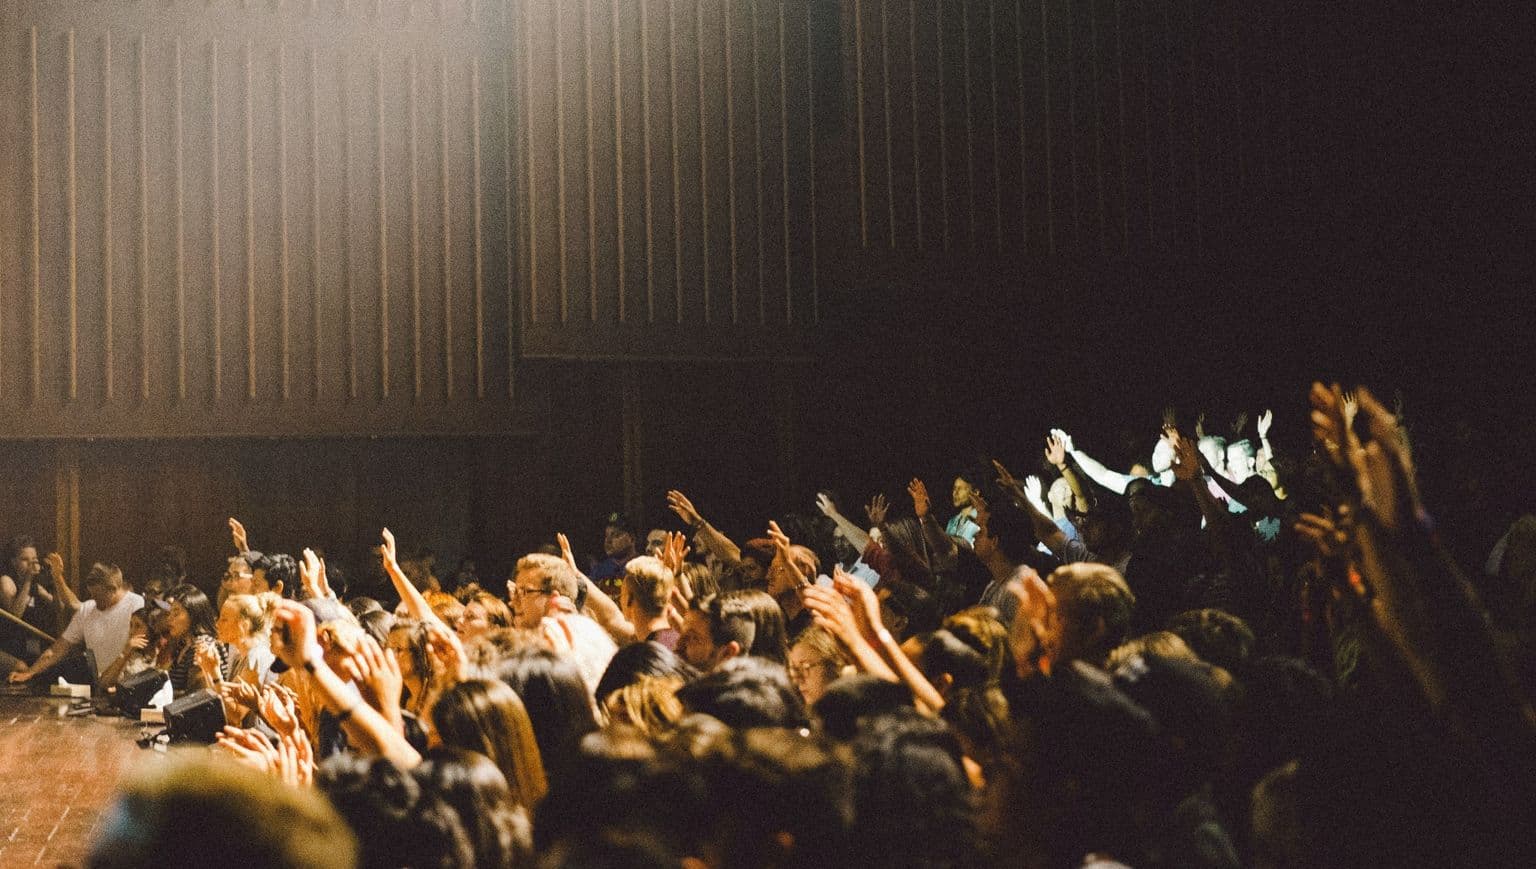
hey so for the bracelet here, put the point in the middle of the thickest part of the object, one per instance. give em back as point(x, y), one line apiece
point(343, 715)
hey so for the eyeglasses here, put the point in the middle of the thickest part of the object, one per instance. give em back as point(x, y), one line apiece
point(801, 669)
point(519, 591)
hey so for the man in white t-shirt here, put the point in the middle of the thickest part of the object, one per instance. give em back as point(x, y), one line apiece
point(101, 623)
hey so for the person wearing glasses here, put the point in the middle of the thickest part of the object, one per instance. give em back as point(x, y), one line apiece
point(543, 591)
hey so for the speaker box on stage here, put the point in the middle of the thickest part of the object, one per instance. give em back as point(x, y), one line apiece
point(197, 717)
point(134, 692)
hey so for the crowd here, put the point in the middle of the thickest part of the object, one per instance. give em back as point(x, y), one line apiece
point(1220, 657)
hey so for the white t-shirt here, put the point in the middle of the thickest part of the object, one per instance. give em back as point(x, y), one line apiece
point(105, 632)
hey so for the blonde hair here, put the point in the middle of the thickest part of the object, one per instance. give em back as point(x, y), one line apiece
point(444, 605)
point(649, 583)
point(820, 642)
point(649, 705)
point(255, 612)
point(553, 573)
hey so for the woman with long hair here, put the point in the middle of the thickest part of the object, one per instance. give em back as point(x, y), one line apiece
point(485, 715)
point(190, 629)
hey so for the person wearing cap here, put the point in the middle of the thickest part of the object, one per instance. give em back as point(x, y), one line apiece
point(619, 547)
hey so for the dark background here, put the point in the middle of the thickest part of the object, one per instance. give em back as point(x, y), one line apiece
point(1348, 196)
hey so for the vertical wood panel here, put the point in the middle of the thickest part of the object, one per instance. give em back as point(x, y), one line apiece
point(106, 213)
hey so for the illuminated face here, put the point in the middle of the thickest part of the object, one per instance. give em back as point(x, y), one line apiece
point(238, 578)
point(960, 494)
point(26, 563)
point(530, 595)
point(695, 644)
point(655, 541)
point(1239, 464)
point(472, 622)
point(178, 623)
point(228, 627)
point(1060, 494)
point(809, 673)
point(1214, 451)
point(617, 542)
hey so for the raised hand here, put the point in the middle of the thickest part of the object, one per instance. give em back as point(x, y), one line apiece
point(295, 761)
point(1034, 489)
point(1026, 637)
point(277, 706)
point(312, 576)
point(1200, 427)
point(919, 493)
point(674, 551)
point(825, 505)
point(248, 747)
point(206, 657)
point(447, 651)
point(684, 509)
point(1186, 457)
point(293, 638)
point(1265, 420)
point(876, 509)
point(833, 612)
point(1055, 451)
point(1066, 439)
point(1239, 424)
point(237, 535)
point(863, 603)
point(782, 559)
point(378, 672)
point(1005, 477)
point(1330, 533)
point(55, 564)
point(566, 554)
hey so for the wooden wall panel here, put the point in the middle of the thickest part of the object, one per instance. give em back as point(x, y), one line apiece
point(232, 218)
point(1037, 129)
point(668, 183)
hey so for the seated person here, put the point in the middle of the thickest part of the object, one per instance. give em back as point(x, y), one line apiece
point(101, 624)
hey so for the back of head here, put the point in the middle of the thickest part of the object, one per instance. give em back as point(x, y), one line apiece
point(282, 569)
point(636, 660)
point(851, 699)
point(1014, 531)
point(751, 619)
point(103, 575)
point(781, 799)
point(555, 696)
point(1096, 605)
point(979, 628)
point(200, 810)
point(912, 798)
point(1218, 637)
point(949, 663)
point(648, 583)
point(468, 781)
point(485, 715)
point(398, 822)
point(746, 692)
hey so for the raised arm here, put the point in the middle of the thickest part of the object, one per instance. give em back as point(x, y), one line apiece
point(850, 532)
point(600, 606)
point(938, 542)
point(706, 534)
point(1111, 480)
point(415, 603)
point(295, 642)
point(66, 601)
point(1046, 529)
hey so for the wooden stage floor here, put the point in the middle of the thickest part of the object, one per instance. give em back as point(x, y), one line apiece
point(57, 774)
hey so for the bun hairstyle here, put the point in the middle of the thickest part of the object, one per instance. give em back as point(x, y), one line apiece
point(256, 612)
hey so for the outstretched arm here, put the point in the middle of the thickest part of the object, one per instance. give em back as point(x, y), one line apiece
point(850, 532)
point(415, 603)
point(708, 536)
